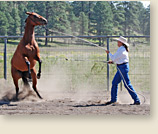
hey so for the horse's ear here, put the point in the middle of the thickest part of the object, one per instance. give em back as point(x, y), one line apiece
point(29, 13)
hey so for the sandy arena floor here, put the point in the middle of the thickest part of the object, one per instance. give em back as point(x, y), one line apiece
point(71, 103)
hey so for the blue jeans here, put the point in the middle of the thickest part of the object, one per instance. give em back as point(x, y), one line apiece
point(124, 68)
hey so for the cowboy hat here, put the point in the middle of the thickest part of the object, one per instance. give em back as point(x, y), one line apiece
point(123, 40)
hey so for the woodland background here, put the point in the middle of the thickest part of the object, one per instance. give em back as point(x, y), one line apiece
point(77, 17)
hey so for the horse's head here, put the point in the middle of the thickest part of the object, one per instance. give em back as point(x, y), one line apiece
point(35, 19)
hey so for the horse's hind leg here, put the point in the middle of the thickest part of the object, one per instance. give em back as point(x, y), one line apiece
point(34, 79)
point(16, 76)
point(16, 88)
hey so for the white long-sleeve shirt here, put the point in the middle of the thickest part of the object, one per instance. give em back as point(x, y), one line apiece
point(121, 56)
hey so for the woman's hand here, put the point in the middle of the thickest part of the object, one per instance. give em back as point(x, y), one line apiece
point(107, 51)
point(110, 62)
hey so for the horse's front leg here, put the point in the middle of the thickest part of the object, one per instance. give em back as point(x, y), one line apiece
point(28, 65)
point(39, 71)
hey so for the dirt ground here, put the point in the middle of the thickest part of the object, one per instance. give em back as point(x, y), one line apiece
point(71, 103)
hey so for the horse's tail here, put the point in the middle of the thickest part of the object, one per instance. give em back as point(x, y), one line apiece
point(24, 78)
point(25, 81)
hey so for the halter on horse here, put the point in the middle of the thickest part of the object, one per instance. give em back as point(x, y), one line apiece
point(27, 53)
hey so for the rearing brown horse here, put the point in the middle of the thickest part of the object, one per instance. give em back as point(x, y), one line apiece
point(27, 53)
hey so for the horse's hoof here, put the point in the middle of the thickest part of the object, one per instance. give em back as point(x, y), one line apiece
point(29, 80)
point(38, 76)
point(39, 96)
point(15, 99)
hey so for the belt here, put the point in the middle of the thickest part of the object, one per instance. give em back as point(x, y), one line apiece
point(123, 63)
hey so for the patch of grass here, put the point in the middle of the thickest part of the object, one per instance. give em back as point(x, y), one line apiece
point(87, 72)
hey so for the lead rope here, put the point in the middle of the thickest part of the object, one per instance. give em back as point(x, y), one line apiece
point(105, 62)
point(129, 88)
point(75, 37)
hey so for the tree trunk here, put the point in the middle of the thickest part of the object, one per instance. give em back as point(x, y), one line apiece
point(46, 39)
point(89, 9)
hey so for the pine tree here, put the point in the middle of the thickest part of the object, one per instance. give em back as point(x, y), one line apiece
point(83, 22)
point(10, 24)
point(77, 17)
point(78, 7)
point(147, 28)
point(59, 17)
point(3, 19)
point(73, 23)
point(102, 19)
point(22, 14)
point(90, 6)
point(131, 23)
point(3, 24)
point(16, 25)
point(119, 17)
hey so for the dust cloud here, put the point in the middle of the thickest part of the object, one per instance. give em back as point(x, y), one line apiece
point(7, 92)
point(55, 84)
point(58, 85)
